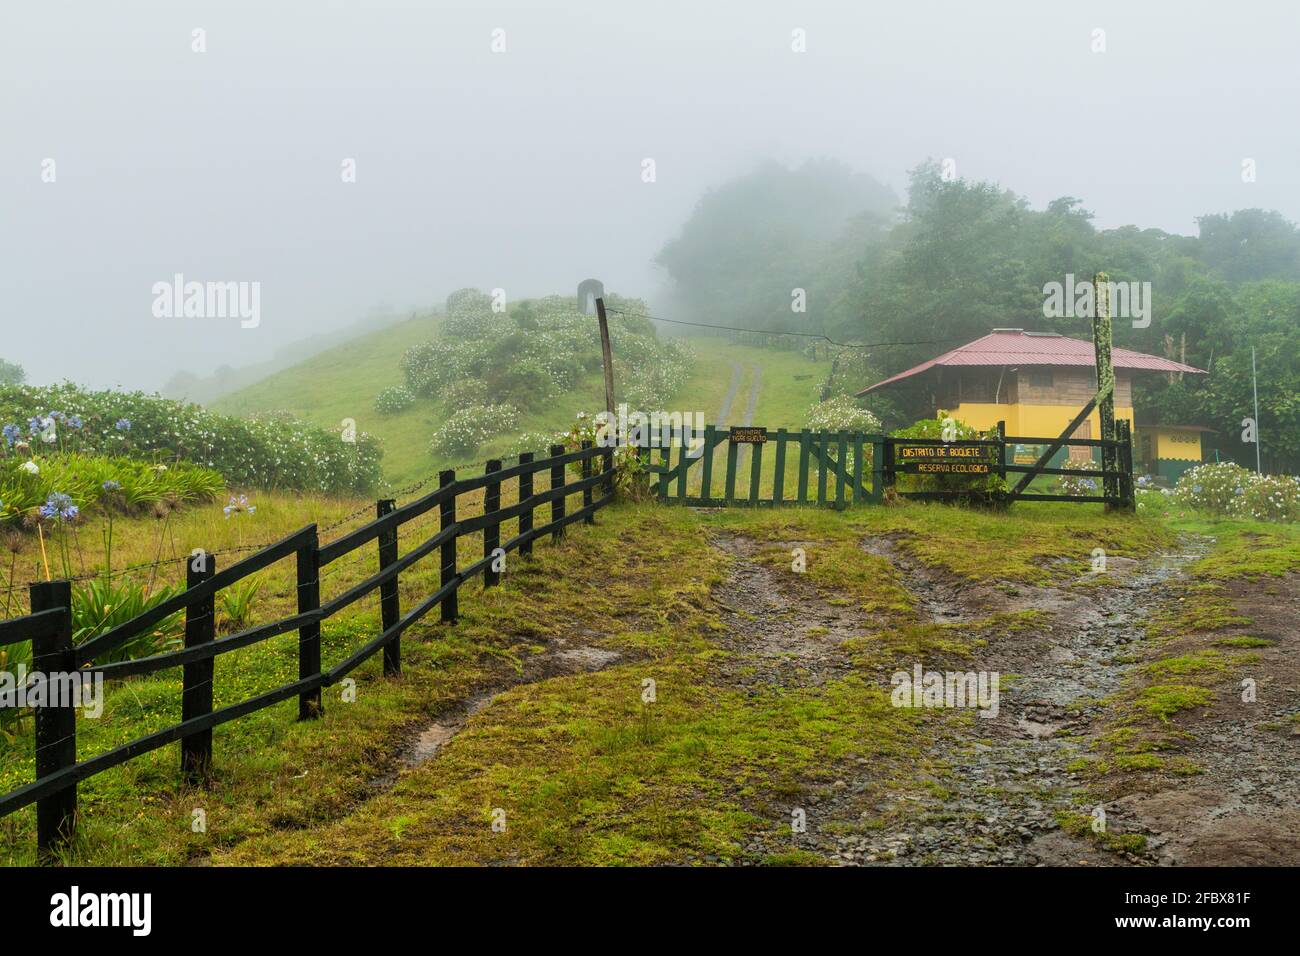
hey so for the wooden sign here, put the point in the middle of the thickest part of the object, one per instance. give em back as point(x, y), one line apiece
point(744, 435)
point(945, 459)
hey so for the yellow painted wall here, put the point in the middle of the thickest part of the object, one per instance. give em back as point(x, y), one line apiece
point(1175, 445)
point(1029, 421)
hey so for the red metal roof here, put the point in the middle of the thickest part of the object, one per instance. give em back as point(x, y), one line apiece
point(1015, 347)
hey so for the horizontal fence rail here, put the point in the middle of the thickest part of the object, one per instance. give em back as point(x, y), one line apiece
point(49, 626)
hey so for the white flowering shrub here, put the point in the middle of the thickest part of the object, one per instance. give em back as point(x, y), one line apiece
point(469, 313)
point(266, 451)
point(539, 351)
point(1211, 487)
point(1228, 489)
point(466, 392)
point(396, 398)
point(1087, 486)
point(466, 430)
point(539, 443)
point(841, 413)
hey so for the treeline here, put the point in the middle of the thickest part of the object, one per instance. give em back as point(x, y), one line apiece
point(963, 257)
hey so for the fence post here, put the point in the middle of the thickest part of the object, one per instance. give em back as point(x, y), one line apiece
point(390, 605)
point(557, 503)
point(309, 702)
point(447, 518)
point(802, 496)
point(878, 445)
point(197, 677)
point(525, 492)
point(823, 452)
point(586, 492)
point(841, 455)
point(857, 468)
point(491, 532)
point(778, 468)
point(56, 726)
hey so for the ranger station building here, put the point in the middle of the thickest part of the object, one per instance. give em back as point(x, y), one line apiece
point(1036, 382)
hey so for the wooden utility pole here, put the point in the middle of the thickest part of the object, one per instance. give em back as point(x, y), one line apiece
point(606, 357)
point(1101, 341)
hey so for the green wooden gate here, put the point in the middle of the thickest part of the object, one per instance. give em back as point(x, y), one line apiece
point(838, 469)
point(832, 469)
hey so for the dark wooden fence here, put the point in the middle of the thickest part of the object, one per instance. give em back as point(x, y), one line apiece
point(49, 626)
point(836, 469)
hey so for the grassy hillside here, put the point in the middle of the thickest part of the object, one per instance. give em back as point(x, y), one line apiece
point(343, 382)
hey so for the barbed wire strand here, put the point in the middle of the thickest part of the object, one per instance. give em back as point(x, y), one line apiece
point(805, 335)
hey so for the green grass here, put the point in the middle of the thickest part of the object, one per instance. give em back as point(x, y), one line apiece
point(342, 382)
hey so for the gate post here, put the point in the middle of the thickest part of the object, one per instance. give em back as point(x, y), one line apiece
point(56, 727)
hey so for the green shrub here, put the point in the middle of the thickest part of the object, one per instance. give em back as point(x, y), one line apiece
point(272, 451)
point(958, 431)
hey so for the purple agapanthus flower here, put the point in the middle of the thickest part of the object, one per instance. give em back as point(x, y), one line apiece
point(11, 434)
point(239, 505)
point(123, 425)
point(73, 421)
point(59, 505)
point(112, 485)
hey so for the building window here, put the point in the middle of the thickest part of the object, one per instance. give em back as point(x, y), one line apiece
point(1039, 378)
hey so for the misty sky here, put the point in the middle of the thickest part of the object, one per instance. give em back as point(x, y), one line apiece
point(522, 169)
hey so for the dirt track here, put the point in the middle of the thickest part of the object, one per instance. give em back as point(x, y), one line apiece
point(1004, 783)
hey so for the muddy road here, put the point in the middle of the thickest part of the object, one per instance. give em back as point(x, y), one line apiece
point(1007, 789)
